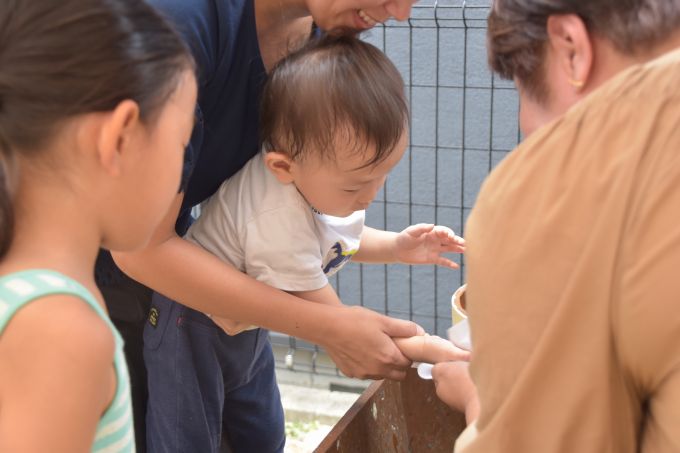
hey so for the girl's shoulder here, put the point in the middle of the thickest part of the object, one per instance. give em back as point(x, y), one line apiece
point(59, 355)
point(59, 326)
point(46, 317)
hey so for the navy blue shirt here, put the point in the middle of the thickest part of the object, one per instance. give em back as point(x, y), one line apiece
point(223, 39)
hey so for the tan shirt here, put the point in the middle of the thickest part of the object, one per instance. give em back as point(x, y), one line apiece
point(573, 254)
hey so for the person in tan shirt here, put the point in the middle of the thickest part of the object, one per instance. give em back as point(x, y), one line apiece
point(573, 247)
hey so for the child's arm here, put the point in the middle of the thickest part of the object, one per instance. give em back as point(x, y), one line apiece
point(456, 389)
point(56, 378)
point(430, 349)
point(417, 244)
point(357, 339)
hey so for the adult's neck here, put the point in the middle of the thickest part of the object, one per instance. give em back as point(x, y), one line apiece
point(610, 61)
point(280, 24)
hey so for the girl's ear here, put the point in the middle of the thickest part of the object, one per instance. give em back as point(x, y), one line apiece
point(280, 164)
point(116, 135)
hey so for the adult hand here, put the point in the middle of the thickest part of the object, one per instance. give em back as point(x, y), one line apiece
point(430, 349)
point(455, 388)
point(424, 243)
point(229, 326)
point(360, 344)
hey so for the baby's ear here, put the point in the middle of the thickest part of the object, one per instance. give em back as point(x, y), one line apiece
point(280, 165)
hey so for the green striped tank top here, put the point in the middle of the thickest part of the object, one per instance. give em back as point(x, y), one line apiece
point(115, 428)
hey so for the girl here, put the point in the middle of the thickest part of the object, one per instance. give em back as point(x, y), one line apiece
point(95, 97)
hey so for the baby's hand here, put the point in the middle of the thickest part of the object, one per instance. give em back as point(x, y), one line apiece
point(430, 349)
point(425, 243)
point(230, 326)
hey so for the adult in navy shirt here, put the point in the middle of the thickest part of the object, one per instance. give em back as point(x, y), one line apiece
point(233, 42)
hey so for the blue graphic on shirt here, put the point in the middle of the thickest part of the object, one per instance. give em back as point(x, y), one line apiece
point(336, 258)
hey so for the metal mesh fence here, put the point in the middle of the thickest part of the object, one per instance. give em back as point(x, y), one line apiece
point(463, 122)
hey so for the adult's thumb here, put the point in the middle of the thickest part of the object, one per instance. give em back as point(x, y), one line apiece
point(402, 328)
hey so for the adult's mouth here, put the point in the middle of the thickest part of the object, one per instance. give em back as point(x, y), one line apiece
point(366, 19)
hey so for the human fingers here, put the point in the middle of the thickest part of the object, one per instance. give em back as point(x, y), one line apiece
point(419, 229)
point(451, 248)
point(451, 371)
point(400, 328)
point(229, 326)
point(436, 350)
point(438, 371)
point(361, 343)
point(453, 384)
point(373, 366)
point(447, 236)
point(445, 262)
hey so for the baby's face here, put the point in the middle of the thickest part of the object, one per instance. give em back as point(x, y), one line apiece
point(343, 184)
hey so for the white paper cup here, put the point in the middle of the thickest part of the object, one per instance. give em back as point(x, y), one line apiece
point(459, 332)
point(458, 313)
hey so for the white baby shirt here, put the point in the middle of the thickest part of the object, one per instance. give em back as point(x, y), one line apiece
point(268, 230)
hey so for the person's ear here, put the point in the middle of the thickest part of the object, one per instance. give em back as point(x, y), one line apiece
point(572, 46)
point(116, 135)
point(280, 164)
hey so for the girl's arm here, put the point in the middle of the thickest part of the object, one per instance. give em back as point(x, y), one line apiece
point(56, 378)
point(417, 244)
point(358, 340)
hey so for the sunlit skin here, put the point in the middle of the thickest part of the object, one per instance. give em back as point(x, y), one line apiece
point(103, 178)
point(576, 63)
point(152, 178)
point(281, 23)
point(341, 183)
point(357, 14)
point(344, 181)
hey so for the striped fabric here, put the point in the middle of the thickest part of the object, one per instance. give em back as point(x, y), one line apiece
point(115, 429)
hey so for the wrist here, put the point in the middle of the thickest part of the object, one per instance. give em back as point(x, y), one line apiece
point(326, 324)
point(393, 248)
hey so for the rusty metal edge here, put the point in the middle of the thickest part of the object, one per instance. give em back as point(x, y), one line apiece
point(357, 407)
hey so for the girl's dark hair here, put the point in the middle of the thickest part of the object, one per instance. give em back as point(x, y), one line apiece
point(517, 33)
point(333, 85)
point(61, 58)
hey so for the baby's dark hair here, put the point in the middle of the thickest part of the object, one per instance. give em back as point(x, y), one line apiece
point(62, 58)
point(333, 85)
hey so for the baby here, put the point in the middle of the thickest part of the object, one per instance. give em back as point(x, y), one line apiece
point(333, 124)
